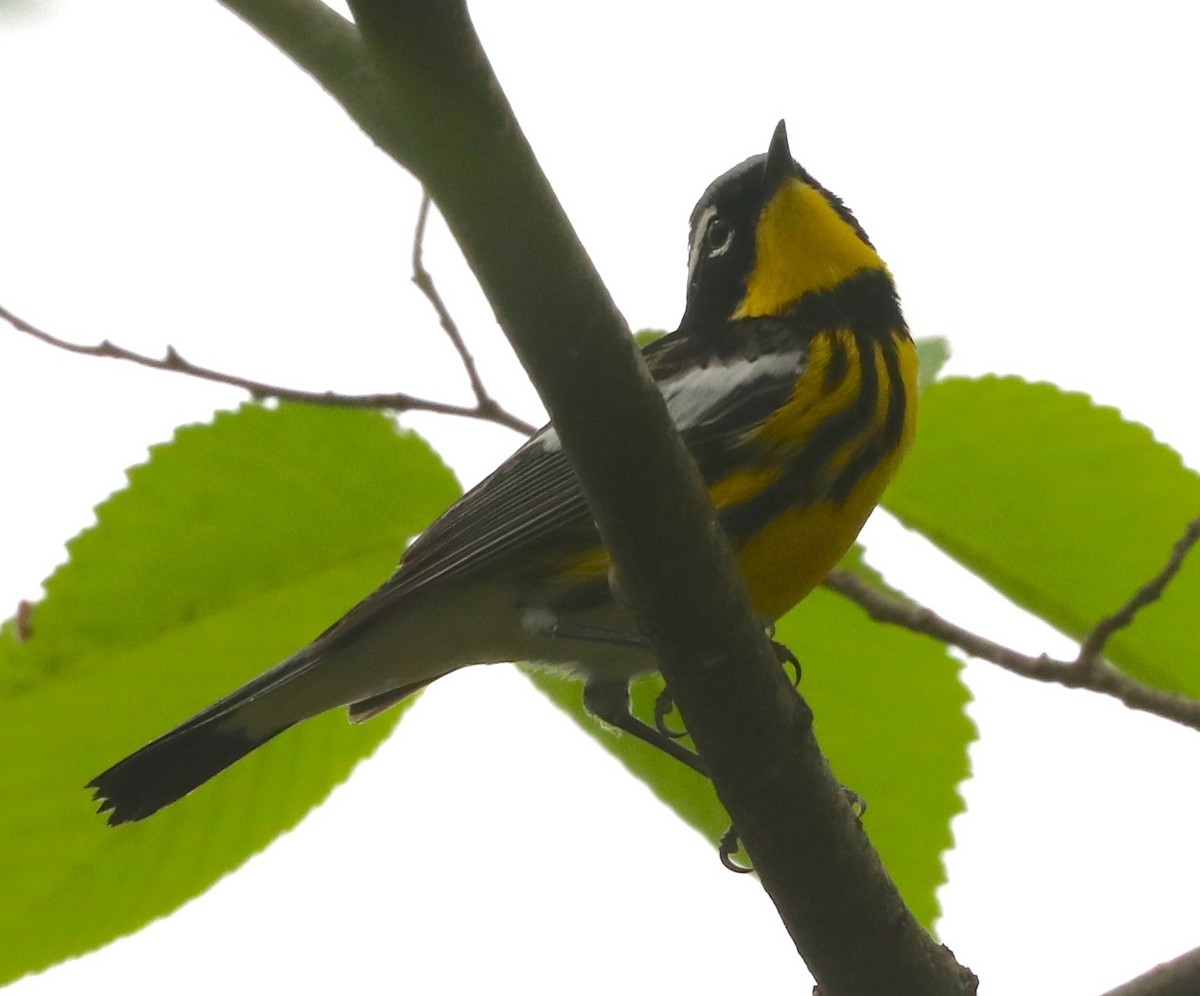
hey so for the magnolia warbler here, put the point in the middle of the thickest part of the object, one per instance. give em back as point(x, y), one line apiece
point(792, 379)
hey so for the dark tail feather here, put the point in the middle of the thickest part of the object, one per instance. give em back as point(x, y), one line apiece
point(167, 769)
point(170, 767)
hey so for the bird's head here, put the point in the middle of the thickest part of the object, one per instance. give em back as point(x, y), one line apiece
point(764, 235)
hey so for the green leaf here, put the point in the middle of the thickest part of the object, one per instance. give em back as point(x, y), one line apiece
point(890, 716)
point(1063, 506)
point(933, 352)
point(237, 543)
point(889, 707)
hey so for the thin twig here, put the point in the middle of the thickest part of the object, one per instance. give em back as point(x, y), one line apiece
point(1089, 670)
point(172, 361)
point(424, 281)
point(1093, 645)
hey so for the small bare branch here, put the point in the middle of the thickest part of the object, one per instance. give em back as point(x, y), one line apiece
point(1089, 670)
point(174, 362)
point(485, 404)
point(424, 281)
point(1092, 648)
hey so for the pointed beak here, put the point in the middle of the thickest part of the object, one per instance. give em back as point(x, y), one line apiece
point(779, 161)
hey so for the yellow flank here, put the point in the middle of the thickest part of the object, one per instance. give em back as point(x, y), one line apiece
point(787, 559)
point(845, 453)
point(742, 485)
point(810, 404)
point(792, 555)
point(802, 245)
point(593, 563)
point(731, 490)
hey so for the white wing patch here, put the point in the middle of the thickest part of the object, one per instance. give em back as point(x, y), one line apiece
point(701, 390)
point(547, 440)
point(695, 395)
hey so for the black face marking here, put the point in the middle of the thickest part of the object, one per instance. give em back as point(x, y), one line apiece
point(721, 251)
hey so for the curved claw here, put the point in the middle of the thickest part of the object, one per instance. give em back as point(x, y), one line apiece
point(786, 657)
point(728, 848)
point(663, 707)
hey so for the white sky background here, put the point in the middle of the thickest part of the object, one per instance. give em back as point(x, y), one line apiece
point(1028, 169)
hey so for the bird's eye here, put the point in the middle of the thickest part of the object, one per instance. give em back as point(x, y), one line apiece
point(719, 237)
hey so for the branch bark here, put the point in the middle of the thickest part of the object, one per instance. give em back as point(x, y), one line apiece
point(1178, 977)
point(433, 103)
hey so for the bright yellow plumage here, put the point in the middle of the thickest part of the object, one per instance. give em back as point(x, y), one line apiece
point(792, 555)
point(802, 246)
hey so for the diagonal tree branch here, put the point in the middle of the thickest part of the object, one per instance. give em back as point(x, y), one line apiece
point(462, 141)
point(433, 103)
point(1178, 977)
point(330, 50)
point(1088, 670)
